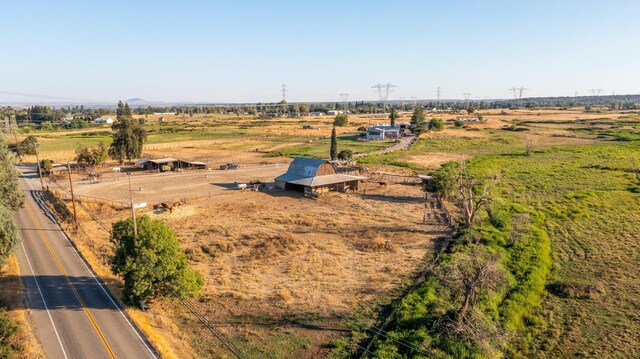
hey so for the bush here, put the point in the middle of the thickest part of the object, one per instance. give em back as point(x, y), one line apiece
point(341, 120)
point(362, 129)
point(436, 124)
point(345, 155)
point(459, 123)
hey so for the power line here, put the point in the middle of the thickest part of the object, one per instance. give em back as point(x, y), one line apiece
point(383, 91)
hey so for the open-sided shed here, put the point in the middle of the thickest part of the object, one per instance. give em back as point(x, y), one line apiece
point(314, 176)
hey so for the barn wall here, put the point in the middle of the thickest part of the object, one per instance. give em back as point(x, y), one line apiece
point(326, 169)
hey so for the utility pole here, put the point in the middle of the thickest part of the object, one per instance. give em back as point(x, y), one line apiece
point(73, 198)
point(35, 146)
point(133, 210)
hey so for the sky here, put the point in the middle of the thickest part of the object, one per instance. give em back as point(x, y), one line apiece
point(243, 51)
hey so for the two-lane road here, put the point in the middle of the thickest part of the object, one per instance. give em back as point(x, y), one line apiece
point(74, 314)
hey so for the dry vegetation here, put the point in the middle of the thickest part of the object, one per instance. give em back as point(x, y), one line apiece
point(275, 261)
point(12, 298)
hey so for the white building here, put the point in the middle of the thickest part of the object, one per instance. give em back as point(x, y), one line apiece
point(103, 121)
point(334, 112)
point(382, 132)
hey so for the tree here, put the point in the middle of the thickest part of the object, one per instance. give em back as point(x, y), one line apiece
point(46, 166)
point(11, 196)
point(151, 263)
point(442, 181)
point(9, 234)
point(468, 274)
point(472, 198)
point(334, 145)
point(77, 123)
point(345, 155)
point(11, 199)
point(28, 145)
point(128, 136)
point(393, 115)
point(471, 109)
point(95, 156)
point(341, 120)
point(436, 124)
point(417, 121)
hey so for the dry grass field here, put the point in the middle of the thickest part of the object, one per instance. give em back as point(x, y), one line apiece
point(285, 275)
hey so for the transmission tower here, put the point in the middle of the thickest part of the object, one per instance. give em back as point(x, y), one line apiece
point(345, 96)
point(413, 99)
point(283, 103)
point(401, 103)
point(438, 91)
point(596, 92)
point(466, 95)
point(383, 91)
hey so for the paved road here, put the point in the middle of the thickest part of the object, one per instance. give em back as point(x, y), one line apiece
point(73, 313)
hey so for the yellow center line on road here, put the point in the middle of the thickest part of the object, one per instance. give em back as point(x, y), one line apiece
point(55, 257)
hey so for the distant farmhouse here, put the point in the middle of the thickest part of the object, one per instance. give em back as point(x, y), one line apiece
point(334, 112)
point(103, 121)
point(313, 177)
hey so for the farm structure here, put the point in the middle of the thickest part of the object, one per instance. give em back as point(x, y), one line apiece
point(382, 132)
point(103, 121)
point(169, 164)
point(315, 176)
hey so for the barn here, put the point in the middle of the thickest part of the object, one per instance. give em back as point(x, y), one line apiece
point(313, 176)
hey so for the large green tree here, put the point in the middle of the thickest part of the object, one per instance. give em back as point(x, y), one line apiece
point(334, 145)
point(11, 199)
point(151, 263)
point(10, 195)
point(128, 137)
point(418, 124)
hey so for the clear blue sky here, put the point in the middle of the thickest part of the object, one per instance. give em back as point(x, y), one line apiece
point(233, 51)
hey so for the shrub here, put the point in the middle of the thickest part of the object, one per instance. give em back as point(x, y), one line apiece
point(341, 120)
point(459, 123)
point(436, 124)
point(345, 155)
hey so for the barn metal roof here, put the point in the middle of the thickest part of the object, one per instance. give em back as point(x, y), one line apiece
point(302, 171)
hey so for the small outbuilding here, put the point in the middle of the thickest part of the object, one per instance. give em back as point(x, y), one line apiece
point(169, 164)
point(314, 176)
point(103, 121)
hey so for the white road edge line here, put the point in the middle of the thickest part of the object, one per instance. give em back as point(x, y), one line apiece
point(43, 301)
point(100, 284)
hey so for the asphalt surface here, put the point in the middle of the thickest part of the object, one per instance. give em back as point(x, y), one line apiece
point(73, 313)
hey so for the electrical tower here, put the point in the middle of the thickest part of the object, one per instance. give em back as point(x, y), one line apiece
point(345, 96)
point(383, 91)
point(401, 103)
point(466, 95)
point(596, 92)
point(283, 103)
point(438, 91)
point(413, 99)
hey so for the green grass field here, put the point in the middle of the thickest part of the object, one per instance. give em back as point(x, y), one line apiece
point(588, 203)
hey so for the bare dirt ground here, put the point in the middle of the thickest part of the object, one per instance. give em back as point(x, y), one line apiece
point(155, 188)
point(276, 257)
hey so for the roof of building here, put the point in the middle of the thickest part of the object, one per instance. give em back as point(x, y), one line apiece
point(303, 170)
point(158, 161)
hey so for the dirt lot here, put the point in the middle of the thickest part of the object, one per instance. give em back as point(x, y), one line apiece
point(278, 258)
point(169, 186)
